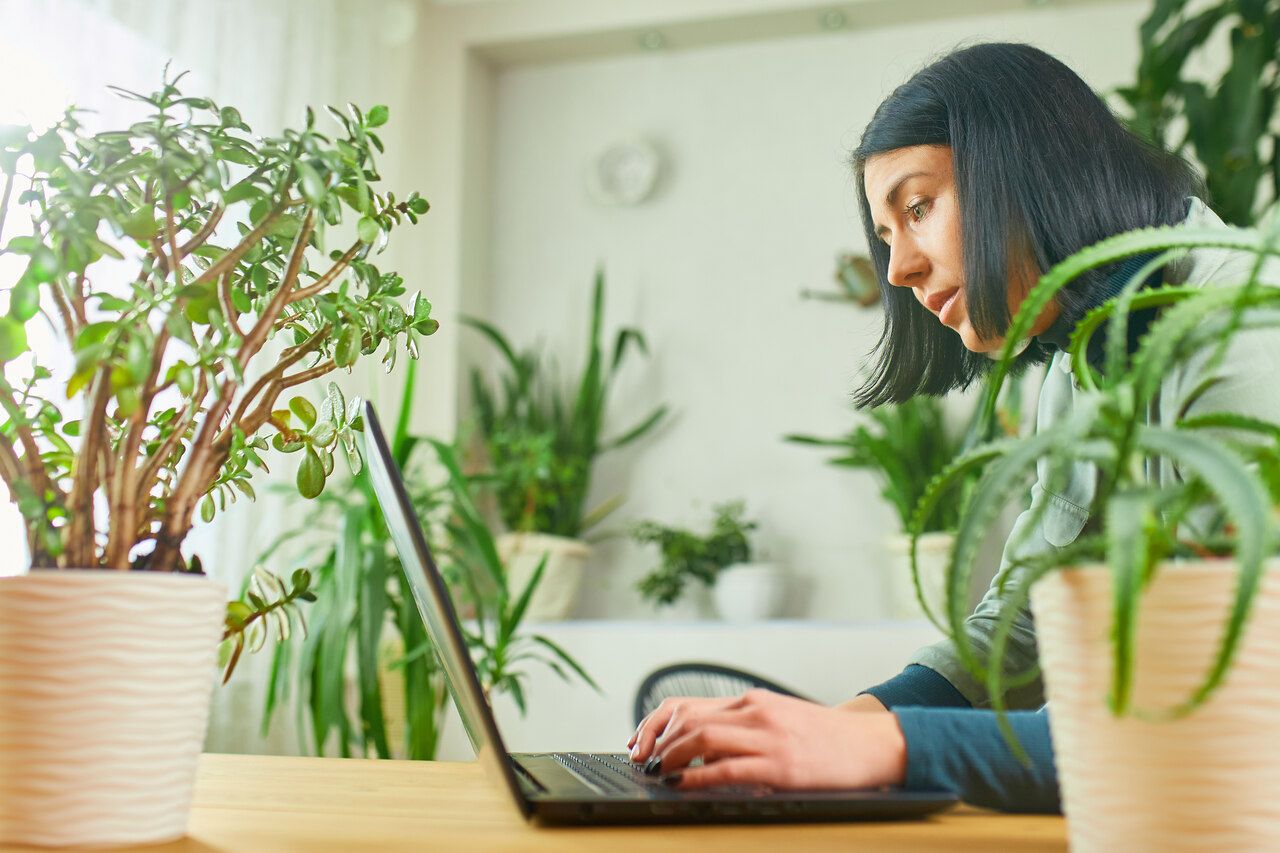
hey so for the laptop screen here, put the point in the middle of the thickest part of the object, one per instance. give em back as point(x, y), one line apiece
point(434, 604)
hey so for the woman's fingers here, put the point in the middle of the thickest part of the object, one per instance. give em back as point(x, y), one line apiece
point(712, 739)
point(681, 709)
point(743, 770)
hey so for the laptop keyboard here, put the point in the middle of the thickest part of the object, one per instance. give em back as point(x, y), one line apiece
point(613, 774)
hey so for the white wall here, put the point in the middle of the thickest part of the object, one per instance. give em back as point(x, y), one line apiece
point(757, 203)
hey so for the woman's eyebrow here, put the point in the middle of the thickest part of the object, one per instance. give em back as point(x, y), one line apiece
point(889, 198)
point(897, 186)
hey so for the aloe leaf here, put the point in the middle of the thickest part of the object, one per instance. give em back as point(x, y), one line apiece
point(1004, 476)
point(1232, 421)
point(1117, 344)
point(1112, 249)
point(1158, 348)
point(1240, 493)
point(941, 486)
point(1130, 517)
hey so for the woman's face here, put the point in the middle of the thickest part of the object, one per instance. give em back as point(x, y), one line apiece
point(912, 193)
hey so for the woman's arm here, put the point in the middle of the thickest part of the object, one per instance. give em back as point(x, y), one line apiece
point(790, 744)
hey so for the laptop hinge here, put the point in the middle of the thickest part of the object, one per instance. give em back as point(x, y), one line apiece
point(526, 779)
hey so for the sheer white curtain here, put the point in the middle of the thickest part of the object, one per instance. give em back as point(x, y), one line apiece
point(270, 59)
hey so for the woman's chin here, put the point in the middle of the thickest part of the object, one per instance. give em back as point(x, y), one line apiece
point(974, 343)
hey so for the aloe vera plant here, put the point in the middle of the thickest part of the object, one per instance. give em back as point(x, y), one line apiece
point(1231, 477)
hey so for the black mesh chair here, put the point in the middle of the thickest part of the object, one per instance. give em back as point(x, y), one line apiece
point(698, 679)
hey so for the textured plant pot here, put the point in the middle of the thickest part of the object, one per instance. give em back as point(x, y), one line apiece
point(561, 579)
point(1204, 782)
point(105, 680)
point(932, 554)
point(749, 592)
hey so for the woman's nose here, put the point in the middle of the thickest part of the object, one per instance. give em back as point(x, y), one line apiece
point(907, 264)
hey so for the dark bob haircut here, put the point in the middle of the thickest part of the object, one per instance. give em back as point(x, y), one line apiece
point(1041, 166)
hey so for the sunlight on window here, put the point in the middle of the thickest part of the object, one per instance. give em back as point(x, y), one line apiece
point(30, 94)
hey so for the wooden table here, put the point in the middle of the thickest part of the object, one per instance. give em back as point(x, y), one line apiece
point(272, 803)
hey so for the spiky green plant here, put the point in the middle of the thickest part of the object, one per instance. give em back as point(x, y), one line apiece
point(360, 587)
point(1236, 480)
point(542, 444)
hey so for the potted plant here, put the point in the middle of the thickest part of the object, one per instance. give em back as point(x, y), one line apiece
point(364, 619)
point(541, 444)
point(166, 256)
point(905, 446)
point(1157, 625)
point(721, 560)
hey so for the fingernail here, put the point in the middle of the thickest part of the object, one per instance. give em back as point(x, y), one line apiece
point(634, 753)
point(672, 779)
point(654, 765)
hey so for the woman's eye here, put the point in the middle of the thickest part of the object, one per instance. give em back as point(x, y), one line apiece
point(918, 210)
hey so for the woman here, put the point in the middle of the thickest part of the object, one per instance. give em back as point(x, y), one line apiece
point(981, 172)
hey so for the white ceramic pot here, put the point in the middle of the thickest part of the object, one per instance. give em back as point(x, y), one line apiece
point(561, 579)
point(749, 592)
point(105, 680)
point(932, 553)
point(1207, 781)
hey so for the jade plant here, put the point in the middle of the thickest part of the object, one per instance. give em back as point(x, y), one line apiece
point(1228, 463)
point(172, 258)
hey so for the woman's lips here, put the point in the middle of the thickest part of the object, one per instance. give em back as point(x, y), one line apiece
point(942, 302)
point(949, 308)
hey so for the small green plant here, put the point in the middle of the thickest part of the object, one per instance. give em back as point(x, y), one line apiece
point(907, 445)
point(166, 255)
point(541, 443)
point(688, 557)
point(360, 591)
point(1228, 464)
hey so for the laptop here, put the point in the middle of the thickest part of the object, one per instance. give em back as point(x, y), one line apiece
point(586, 787)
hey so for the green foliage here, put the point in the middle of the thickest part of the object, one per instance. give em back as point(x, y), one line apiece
point(541, 442)
point(907, 445)
point(166, 255)
point(687, 557)
point(269, 606)
point(219, 232)
point(1227, 475)
point(361, 589)
point(1228, 123)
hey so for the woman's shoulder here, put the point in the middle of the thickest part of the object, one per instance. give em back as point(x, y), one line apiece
point(1214, 266)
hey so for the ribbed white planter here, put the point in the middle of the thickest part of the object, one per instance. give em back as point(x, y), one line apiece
point(561, 579)
point(1208, 781)
point(105, 679)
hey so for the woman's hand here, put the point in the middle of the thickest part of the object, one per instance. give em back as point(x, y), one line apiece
point(766, 738)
